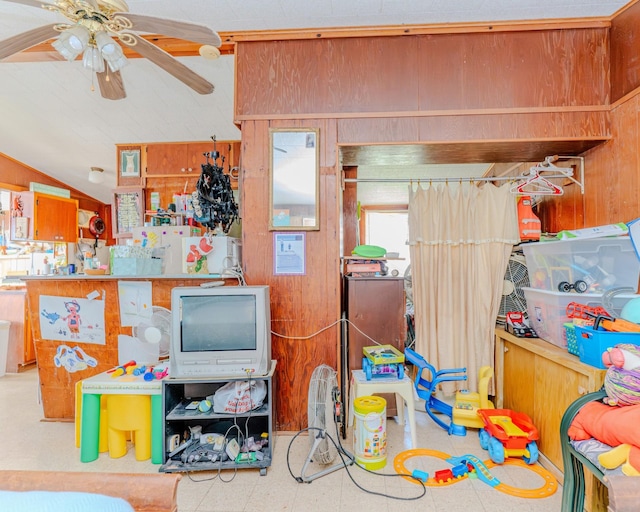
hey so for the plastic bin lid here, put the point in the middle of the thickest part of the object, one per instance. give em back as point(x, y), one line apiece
point(369, 251)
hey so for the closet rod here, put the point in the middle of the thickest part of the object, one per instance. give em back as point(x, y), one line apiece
point(443, 180)
point(548, 162)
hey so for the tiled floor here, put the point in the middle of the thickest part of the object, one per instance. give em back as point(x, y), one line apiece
point(30, 443)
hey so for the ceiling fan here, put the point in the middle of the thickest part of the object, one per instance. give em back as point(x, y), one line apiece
point(91, 30)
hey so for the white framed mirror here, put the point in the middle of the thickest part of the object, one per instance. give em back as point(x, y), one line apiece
point(295, 178)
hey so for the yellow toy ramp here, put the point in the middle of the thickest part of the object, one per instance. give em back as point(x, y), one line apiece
point(465, 410)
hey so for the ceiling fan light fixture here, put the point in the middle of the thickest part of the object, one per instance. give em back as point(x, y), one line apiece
point(111, 51)
point(108, 47)
point(92, 59)
point(117, 64)
point(96, 175)
point(72, 42)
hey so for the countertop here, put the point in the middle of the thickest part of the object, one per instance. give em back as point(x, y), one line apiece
point(12, 286)
point(103, 277)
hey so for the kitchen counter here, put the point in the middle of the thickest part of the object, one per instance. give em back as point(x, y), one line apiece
point(102, 277)
point(58, 378)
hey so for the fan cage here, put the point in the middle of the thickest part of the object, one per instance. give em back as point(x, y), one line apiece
point(320, 412)
point(515, 279)
point(160, 319)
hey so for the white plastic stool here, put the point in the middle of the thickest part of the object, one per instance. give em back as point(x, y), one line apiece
point(403, 389)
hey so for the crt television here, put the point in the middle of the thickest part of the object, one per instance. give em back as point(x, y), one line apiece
point(222, 331)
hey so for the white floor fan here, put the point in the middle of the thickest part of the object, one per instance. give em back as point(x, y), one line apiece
point(324, 414)
point(515, 279)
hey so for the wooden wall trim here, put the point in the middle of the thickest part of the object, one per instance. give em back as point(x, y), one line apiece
point(623, 9)
point(625, 98)
point(412, 30)
point(423, 113)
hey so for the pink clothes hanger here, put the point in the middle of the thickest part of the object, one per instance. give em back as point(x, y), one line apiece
point(536, 184)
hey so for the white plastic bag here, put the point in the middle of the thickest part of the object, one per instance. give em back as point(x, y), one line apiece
point(239, 396)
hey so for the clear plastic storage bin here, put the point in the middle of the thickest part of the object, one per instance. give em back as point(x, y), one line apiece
point(548, 311)
point(592, 265)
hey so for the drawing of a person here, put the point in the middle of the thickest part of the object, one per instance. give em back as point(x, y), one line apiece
point(73, 318)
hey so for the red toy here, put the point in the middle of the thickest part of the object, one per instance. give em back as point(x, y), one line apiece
point(444, 475)
point(508, 434)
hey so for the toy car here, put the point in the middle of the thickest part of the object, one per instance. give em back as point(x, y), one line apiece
point(508, 434)
point(518, 325)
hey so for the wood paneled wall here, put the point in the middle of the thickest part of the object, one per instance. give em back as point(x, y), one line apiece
point(489, 87)
point(625, 52)
point(407, 75)
point(612, 170)
point(18, 176)
point(301, 306)
point(612, 178)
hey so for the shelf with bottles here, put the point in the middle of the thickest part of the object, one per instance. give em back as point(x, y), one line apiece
point(169, 218)
point(164, 213)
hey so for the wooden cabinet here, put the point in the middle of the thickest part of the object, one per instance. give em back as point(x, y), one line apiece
point(177, 158)
point(42, 217)
point(542, 380)
point(174, 167)
point(376, 306)
point(180, 414)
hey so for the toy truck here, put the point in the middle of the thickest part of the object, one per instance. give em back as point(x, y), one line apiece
point(508, 434)
point(382, 361)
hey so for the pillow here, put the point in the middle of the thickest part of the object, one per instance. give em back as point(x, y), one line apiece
point(62, 501)
point(611, 425)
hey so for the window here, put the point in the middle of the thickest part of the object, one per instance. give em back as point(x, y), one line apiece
point(388, 227)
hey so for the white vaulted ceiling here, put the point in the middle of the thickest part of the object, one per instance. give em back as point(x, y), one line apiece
point(52, 121)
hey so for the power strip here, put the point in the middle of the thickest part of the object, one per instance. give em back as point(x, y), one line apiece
point(232, 449)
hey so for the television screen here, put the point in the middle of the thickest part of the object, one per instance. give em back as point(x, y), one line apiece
point(218, 323)
point(220, 331)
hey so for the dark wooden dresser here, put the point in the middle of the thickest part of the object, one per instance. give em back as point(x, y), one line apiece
point(375, 306)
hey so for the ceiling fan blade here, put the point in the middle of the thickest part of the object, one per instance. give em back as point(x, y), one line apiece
point(172, 66)
point(111, 85)
point(31, 3)
point(172, 28)
point(17, 43)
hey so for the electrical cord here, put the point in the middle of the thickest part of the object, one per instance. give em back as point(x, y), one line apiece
point(339, 321)
point(342, 453)
point(347, 459)
point(241, 438)
point(235, 271)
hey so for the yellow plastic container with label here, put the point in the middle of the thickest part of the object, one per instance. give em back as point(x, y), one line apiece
point(370, 431)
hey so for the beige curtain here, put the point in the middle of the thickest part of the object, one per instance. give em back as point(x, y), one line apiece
point(460, 237)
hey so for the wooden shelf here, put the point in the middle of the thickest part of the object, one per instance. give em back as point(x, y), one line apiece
point(152, 213)
point(371, 259)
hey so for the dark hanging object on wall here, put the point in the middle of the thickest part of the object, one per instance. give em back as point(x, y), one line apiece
point(213, 202)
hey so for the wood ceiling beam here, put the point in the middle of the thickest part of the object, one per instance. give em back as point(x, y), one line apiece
point(406, 30)
point(44, 52)
point(179, 48)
